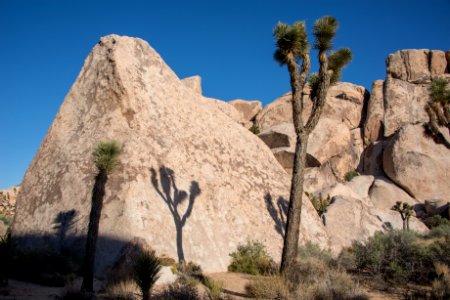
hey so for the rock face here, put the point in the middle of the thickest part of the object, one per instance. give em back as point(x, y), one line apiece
point(8, 201)
point(336, 141)
point(191, 182)
point(249, 109)
point(418, 164)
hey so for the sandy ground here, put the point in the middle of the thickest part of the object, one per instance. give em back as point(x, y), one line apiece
point(234, 285)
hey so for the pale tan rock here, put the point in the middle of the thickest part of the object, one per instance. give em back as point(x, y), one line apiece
point(224, 107)
point(384, 193)
point(438, 63)
point(281, 135)
point(351, 219)
point(417, 164)
point(194, 83)
point(373, 127)
point(249, 109)
point(170, 134)
point(344, 104)
point(410, 65)
point(404, 104)
point(8, 201)
point(319, 178)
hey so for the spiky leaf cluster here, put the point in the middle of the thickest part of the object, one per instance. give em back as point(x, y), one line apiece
point(324, 31)
point(439, 91)
point(145, 271)
point(106, 155)
point(337, 61)
point(290, 39)
point(403, 208)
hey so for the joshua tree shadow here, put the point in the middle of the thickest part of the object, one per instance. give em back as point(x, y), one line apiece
point(278, 212)
point(173, 197)
point(63, 222)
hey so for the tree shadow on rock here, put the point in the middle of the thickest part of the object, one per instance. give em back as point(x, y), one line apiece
point(167, 188)
point(278, 212)
point(63, 221)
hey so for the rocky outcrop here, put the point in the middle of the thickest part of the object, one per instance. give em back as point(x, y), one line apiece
point(248, 109)
point(8, 201)
point(194, 83)
point(356, 211)
point(191, 182)
point(336, 142)
point(373, 127)
point(417, 164)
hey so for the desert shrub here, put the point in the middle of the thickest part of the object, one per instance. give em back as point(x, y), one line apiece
point(123, 290)
point(320, 204)
point(145, 272)
point(346, 260)
point(441, 285)
point(270, 287)
point(311, 250)
point(215, 289)
point(166, 261)
point(435, 221)
point(399, 257)
point(441, 231)
point(255, 129)
point(177, 291)
point(188, 273)
point(350, 175)
point(335, 285)
point(252, 258)
point(5, 219)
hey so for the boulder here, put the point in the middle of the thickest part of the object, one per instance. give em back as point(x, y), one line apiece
point(373, 159)
point(438, 62)
point(281, 135)
point(404, 104)
point(194, 83)
point(435, 206)
point(384, 193)
point(373, 127)
point(350, 219)
point(249, 109)
point(190, 182)
point(417, 164)
point(409, 65)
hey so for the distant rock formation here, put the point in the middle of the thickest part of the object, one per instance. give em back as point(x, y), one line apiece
point(8, 201)
point(192, 182)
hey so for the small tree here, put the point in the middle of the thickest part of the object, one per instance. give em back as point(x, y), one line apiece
point(438, 110)
point(405, 210)
point(106, 159)
point(293, 47)
point(145, 272)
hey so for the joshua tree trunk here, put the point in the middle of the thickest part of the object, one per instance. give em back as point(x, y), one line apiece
point(290, 247)
point(98, 193)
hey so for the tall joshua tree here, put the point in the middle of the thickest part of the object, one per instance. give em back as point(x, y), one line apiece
point(106, 156)
point(438, 110)
point(293, 48)
point(405, 210)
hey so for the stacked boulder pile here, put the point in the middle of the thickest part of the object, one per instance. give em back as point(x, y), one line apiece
point(194, 182)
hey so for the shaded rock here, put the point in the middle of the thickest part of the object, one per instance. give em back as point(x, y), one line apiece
point(409, 65)
point(418, 164)
point(404, 104)
point(182, 159)
point(373, 159)
point(384, 193)
point(194, 83)
point(373, 127)
point(249, 109)
point(281, 135)
point(435, 206)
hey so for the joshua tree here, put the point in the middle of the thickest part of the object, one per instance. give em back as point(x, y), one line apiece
point(106, 159)
point(405, 210)
point(145, 272)
point(292, 47)
point(438, 110)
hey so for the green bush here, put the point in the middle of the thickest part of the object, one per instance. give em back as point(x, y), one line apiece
point(5, 219)
point(311, 250)
point(441, 231)
point(435, 221)
point(215, 289)
point(252, 258)
point(145, 272)
point(320, 204)
point(255, 129)
point(441, 285)
point(350, 175)
point(400, 257)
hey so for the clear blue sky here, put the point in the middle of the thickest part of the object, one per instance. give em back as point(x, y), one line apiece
point(228, 43)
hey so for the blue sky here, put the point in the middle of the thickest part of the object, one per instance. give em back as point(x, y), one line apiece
point(228, 43)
